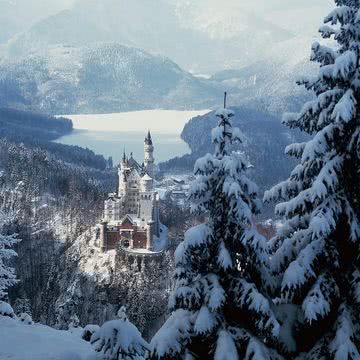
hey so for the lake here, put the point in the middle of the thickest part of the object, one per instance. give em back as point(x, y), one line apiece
point(110, 134)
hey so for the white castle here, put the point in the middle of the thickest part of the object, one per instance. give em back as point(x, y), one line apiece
point(131, 215)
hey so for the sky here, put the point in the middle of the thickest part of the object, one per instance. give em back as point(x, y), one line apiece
point(271, 9)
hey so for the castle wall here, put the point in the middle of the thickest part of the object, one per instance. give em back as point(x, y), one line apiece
point(113, 239)
point(140, 240)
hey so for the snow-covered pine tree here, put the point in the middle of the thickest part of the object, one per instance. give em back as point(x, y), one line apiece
point(22, 306)
point(7, 273)
point(74, 322)
point(317, 252)
point(119, 340)
point(219, 306)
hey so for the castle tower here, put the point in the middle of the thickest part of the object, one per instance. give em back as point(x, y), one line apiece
point(149, 160)
point(103, 230)
point(150, 235)
point(122, 176)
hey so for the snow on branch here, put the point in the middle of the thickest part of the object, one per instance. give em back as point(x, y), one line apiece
point(341, 14)
point(345, 109)
point(302, 269)
point(225, 347)
point(253, 300)
point(342, 346)
point(169, 340)
point(317, 303)
point(118, 339)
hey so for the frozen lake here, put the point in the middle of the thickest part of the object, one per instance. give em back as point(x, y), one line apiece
point(110, 134)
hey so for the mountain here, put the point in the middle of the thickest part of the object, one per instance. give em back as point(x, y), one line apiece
point(19, 15)
point(167, 27)
point(100, 78)
point(270, 85)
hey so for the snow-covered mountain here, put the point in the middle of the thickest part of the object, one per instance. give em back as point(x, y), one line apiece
point(256, 49)
point(165, 26)
point(101, 78)
point(217, 35)
point(270, 85)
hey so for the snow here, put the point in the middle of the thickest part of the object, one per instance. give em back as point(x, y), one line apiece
point(317, 303)
point(6, 309)
point(343, 346)
point(345, 109)
point(225, 347)
point(19, 341)
point(193, 237)
point(224, 113)
point(26, 319)
point(252, 299)
point(117, 337)
point(205, 321)
point(300, 270)
point(169, 338)
point(224, 258)
point(88, 331)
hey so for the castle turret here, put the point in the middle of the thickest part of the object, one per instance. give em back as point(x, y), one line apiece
point(149, 160)
point(103, 231)
point(122, 175)
point(146, 183)
point(150, 235)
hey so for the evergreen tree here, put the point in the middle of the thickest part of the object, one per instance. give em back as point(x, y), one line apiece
point(317, 250)
point(7, 273)
point(220, 308)
point(119, 340)
point(22, 306)
point(74, 322)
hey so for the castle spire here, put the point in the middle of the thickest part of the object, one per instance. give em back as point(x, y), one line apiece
point(148, 139)
point(149, 155)
point(124, 156)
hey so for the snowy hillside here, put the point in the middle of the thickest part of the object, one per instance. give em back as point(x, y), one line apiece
point(101, 78)
point(19, 341)
point(269, 85)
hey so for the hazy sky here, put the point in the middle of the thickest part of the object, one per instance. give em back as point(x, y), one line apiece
point(266, 8)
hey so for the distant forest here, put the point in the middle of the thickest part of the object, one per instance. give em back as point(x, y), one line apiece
point(39, 130)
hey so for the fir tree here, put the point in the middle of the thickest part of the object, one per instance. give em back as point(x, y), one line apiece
point(7, 273)
point(317, 250)
point(22, 306)
point(119, 340)
point(220, 309)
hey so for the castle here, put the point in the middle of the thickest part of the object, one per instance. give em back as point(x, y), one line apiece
point(131, 215)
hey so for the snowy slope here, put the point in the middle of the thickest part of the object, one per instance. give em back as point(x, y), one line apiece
point(38, 342)
point(103, 78)
point(270, 85)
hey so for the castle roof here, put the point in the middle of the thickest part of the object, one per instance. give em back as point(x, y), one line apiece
point(146, 177)
point(148, 139)
point(133, 164)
